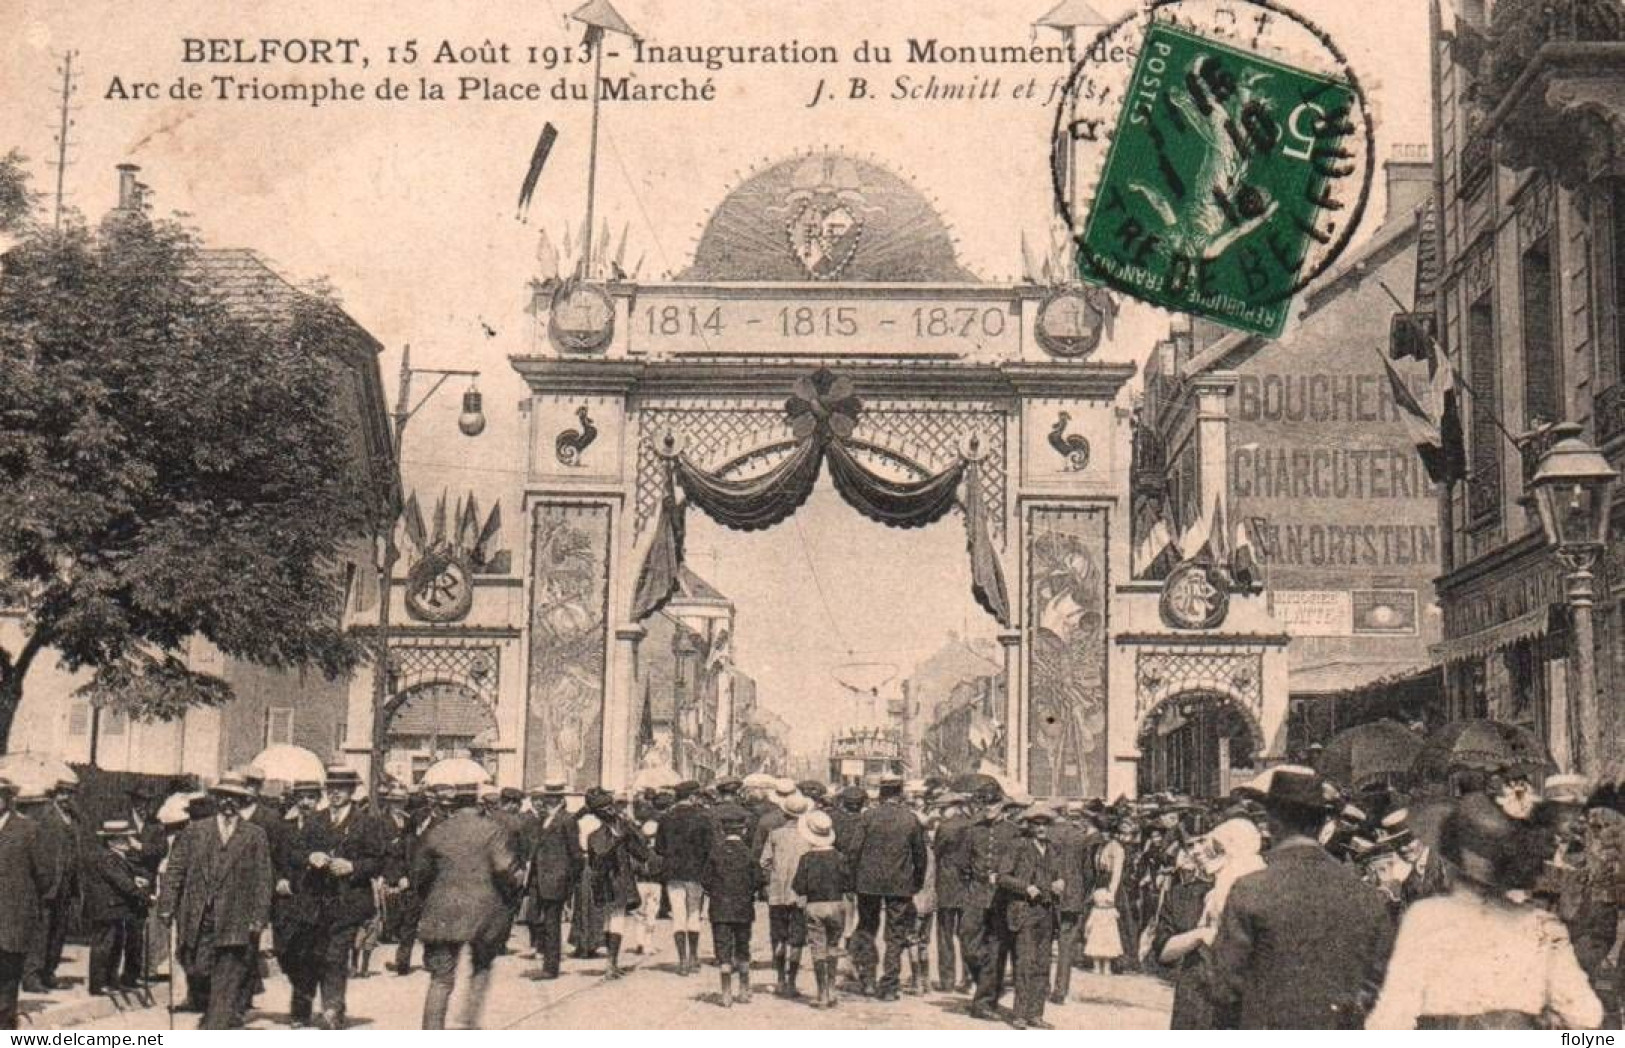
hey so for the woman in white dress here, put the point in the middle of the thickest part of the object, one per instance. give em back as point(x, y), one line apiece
point(1475, 959)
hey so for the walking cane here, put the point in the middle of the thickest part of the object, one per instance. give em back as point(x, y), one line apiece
point(174, 963)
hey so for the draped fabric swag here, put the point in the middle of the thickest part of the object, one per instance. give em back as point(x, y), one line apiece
point(761, 502)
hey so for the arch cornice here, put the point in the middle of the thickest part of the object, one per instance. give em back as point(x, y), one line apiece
point(913, 378)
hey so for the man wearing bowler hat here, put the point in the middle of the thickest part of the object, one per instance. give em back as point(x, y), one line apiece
point(217, 890)
point(1303, 943)
point(24, 880)
point(556, 860)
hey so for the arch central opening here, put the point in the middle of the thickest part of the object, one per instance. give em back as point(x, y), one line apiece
point(828, 646)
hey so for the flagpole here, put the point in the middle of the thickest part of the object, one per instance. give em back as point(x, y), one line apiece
point(592, 150)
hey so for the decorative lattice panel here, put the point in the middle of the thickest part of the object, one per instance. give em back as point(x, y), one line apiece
point(740, 435)
point(474, 666)
point(1162, 674)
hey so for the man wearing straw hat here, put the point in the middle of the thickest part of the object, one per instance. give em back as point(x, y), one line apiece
point(23, 883)
point(217, 889)
point(556, 861)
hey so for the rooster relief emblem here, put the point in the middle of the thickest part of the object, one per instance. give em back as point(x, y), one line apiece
point(1072, 447)
point(571, 444)
point(827, 210)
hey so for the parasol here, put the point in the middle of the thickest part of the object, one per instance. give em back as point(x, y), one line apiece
point(1380, 751)
point(174, 809)
point(456, 771)
point(655, 778)
point(35, 774)
point(289, 764)
point(1481, 745)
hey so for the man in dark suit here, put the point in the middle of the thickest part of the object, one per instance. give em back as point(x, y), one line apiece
point(888, 869)
point(295, 922)
point(468, 876)
point(952, 837)
point(683, 842)
point(59, 847)
point(345, 850)
point(116, 899)
point(555, 868)
point(1031, 881)
point(429, 814)
point(217, 889)
point(1072, 844)
point(994, 941)
point(1303, 943)
point(24, 880)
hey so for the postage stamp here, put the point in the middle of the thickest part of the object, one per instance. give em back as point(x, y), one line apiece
point(1237, 169)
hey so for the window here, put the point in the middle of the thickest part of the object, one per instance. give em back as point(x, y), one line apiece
point(79, 719)
point(1542, 385)
point(1484, 438)
point(279, 725)
point(113, 722)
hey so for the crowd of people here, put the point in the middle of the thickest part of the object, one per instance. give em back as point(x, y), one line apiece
point(1287, 904)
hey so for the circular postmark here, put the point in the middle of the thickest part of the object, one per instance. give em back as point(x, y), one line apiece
point(1224, 170)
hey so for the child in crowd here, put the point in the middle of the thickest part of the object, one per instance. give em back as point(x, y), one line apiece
point(1102, 943)
point(820, 884)
point(117, 894)
point(731, 880)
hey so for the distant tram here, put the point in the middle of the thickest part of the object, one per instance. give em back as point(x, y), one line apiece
point(862, 756)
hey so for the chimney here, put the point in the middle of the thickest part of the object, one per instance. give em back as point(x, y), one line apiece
point(1409, 176)
point(129, 190)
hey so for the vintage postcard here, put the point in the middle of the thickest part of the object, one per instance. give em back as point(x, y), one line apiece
point(574, 514)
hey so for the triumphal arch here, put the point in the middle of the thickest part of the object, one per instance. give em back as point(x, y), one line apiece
point(825, 326)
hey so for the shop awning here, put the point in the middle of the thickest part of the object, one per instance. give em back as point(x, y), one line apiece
point(1492, 639)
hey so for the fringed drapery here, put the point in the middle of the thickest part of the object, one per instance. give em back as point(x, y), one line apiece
point(757, 503)
point(761, 502)
point(896, 504)
point(986, 574)
point(657, 577)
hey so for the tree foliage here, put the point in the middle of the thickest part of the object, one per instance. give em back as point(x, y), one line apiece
point(14, 196)
point(170, 467)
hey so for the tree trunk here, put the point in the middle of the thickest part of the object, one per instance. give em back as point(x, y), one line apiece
point(11, 697)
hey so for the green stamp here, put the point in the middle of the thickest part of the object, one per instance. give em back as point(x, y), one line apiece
point(1223, 176)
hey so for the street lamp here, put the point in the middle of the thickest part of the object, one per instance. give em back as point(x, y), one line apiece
point(1573, 490)
point(472, 423)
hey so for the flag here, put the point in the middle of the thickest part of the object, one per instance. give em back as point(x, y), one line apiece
point(1152, 547)
point(1244, 566)
point(1029, 264)
point(646, 725)
point(538, 160)
point(1206, 537)
point(412, 517)
point(468, 524)
point(547, 259)
point(1437, 436)
point(439, 522)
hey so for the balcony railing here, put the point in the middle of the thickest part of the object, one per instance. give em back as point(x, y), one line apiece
point(1483, 498)
point(1532, 447)
point(1520, 28)
point(1610, 413)
point(1474, 165)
